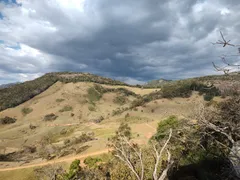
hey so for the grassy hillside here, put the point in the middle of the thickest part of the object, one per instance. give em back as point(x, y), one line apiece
point(19, 93)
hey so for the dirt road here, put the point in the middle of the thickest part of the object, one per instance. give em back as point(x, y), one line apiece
point(57, 160)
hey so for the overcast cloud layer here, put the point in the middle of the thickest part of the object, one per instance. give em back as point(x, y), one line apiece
point(130, 40)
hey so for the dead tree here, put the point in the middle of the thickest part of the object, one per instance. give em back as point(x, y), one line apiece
point(226, 124)
point(228, 67)
point(131, 155)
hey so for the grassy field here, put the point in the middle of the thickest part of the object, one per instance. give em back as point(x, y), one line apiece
point(72, 122)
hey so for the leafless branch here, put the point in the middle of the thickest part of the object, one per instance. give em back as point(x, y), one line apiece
point(159, 157)
point(229, 66)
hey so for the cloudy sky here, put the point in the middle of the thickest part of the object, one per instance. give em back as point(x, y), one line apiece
point(130, 40)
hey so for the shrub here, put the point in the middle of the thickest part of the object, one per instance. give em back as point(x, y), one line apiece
point(80, 139)
point(73, 170)
point(93, 94)
point(26, 111)
point(60, 100)
point(184, 89)
point(92, 162)
point(208, 97)
point(7, 120)
point(127, 115)
point(50, 117)
point(91, 108)
point(66, 108)
point(118, 111)
point(177, 90)
point(165, 125)
point(121, 100)
point(98, 120)
point(32, 126)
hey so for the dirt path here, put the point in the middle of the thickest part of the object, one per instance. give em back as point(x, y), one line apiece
point(154, 129)
point(57, 161)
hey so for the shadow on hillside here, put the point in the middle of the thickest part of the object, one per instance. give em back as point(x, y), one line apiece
point(215, 169)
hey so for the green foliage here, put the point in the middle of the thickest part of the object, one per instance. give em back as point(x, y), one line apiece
point(92, 162)
point(79, 140)
point(66, 108)
point(141, 101)
point(124, 130)
point(184, 89)
point(93, 94)
point(119, 111)
point(7, 120)
point(74, 77)
point(19, 93)
point(165, 125)
point(26, 111)
point(73, 170)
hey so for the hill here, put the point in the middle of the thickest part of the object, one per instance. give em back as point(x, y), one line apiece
point(62, 116)
point(19, 93)
point(7, 85)
point(157, 83)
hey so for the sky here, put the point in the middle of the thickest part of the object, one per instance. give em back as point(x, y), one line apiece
point(130, 40)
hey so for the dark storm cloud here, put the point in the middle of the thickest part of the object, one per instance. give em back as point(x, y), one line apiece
point(134, 41)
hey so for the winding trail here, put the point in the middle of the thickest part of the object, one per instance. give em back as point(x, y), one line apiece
point(57, 160)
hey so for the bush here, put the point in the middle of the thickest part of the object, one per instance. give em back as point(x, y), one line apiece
point(165, 125)
point(184, 89)
point(60, 100)
point(93, 94)
point(32, 126)
point(66, 108)
point(92, 162)
point(118, 111)
point(91, 108)
point(50, 117)
point(177, 90)
point(7, 120)
point(98, 120)
point(26, 111)
point(73, 170)
point(208, 97)
point(121, 100)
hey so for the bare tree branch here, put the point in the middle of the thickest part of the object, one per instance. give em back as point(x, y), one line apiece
point(229, 66)
point(159, 157)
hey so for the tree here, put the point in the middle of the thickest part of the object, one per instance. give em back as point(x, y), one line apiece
point(228, 67)
point(221, 127)
point(131, 154)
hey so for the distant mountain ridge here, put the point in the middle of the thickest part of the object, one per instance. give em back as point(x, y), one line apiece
point(17, 94)
point(157, 83)
point(7, 85)
point(14, 94)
